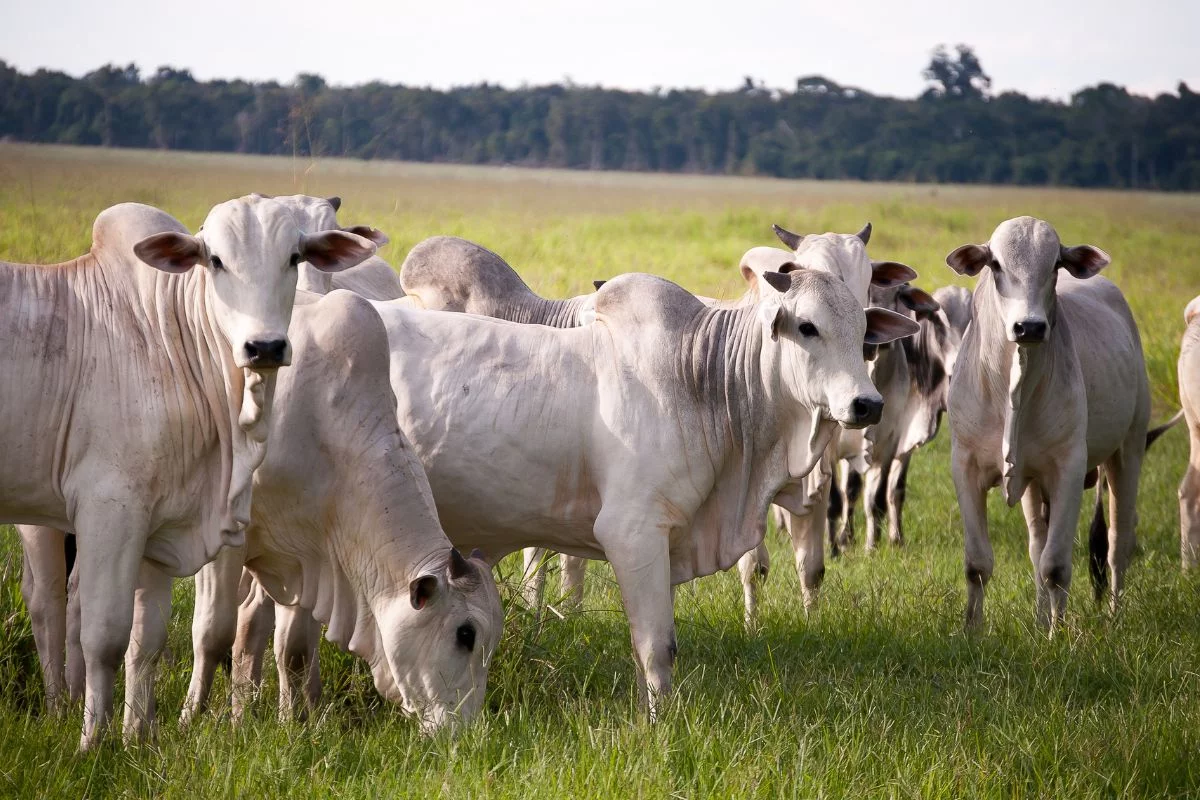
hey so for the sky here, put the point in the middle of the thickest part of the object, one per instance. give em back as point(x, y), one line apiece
point(1046, 48)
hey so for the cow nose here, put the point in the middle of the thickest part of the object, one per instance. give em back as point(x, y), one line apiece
point(1029, 331)
point(266, 353)
point(866, 410)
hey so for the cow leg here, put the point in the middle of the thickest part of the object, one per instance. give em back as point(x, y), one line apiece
point(255, 622)
point(110, 556)
point(1065, 496)
point(295, 659)
point(148, 636)
point(851, 492)
point(44, 590)
point(642, 564)
point(1189, 506)
point(533, 580)
point(573, 570)
point(897, 486)
point(752, 568)
point(1037, 521)
point(874, 502)
point(1123, 471)
point(214, 622)
point(833, 514)
point(76, 672)
point(979, 560)
point(808, 545)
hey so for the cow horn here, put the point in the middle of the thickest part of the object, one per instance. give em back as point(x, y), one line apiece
point(459, 566)
point(792, 240)
point(865, 233)
point(336, 202)
point(598, 284)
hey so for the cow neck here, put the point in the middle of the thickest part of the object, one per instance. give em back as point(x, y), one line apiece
point(534, 310)
point(1013, 374)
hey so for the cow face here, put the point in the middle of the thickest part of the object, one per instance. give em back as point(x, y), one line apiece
point(440, 638)
point(1024, 255)
point(820, 330)
point(251, 248)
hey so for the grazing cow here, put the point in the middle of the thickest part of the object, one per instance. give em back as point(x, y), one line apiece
point(446, 273)
point(297, 632)
point(1050, 383)
point(1189, 398)
point(136, 407)
point(343, 522)
point(654, 438)
point(844, 256)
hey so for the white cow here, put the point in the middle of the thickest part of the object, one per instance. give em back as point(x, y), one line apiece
point(217, 623)
point(904, 373)
point(446, 273)
point(844, 256)
point(1189, 398)
point(1050, 383)
point(136, 407)
point(654, 438)
point(343, 524)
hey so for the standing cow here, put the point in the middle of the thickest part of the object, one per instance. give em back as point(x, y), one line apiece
point(1189, 398)
point(136, 407)
point(654, 438)
point(1049, 384)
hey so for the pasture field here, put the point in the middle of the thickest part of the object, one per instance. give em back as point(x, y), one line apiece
point(879, 693)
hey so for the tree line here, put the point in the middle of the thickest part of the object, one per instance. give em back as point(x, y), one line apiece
point(956, 131)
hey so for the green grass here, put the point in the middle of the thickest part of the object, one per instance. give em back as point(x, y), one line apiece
point(878, 694)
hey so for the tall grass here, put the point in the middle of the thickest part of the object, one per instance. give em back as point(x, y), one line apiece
point(877, 694)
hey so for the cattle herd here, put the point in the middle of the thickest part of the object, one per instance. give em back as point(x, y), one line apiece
point(267, 405)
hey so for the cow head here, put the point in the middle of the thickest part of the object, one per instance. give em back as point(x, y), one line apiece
point(440, 638)
point(314, 214)
point(1024, 255)
point(251, 248)
point(820, 329)
point(845, 255)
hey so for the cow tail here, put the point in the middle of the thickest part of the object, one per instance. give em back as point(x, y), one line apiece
point(1098, 544)
point(1154, 433)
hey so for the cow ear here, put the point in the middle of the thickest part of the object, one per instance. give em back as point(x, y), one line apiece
point(792, 240)
point(770, 313)
point(919, 300)
point(421, 589)
point(371, 234)
point(477, 554)
point(334, 251)
point(335, 201)
point(778, 281)
point(886, 274)
point(1083, 261)
point(865, 233)
point(970, 259)
point(884, 326)
point(1191, 311)
point(171, 252)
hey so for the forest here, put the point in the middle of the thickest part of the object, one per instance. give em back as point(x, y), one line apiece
point(957, 131)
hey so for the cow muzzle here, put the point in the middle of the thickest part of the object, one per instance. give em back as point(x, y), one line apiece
point(864, 410)
point(266, 354)
point(1029, 331)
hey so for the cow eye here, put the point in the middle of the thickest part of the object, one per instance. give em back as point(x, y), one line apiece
point(295, 259)
point(808, 330)
point(216, 263)
point(465, 635)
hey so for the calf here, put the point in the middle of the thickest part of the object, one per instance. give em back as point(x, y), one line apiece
point(1049, 384)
